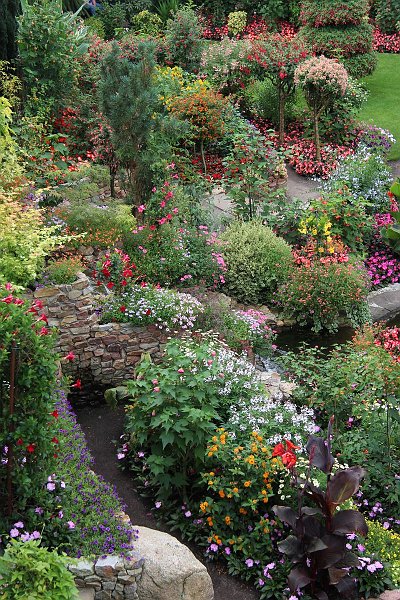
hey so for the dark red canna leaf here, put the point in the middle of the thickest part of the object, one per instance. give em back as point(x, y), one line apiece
point(349, 521)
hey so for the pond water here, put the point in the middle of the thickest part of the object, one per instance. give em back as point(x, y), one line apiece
point(291, 339)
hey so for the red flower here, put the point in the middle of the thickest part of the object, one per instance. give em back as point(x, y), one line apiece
point(43, 318)
point(31, 448)
point(122, 308)
point(70, 356)
point(278, 450)
point(55, 440)
point(43, 331)
point(127, 272)
point(110, 285)
point(77, 384)
point(289, 459)
point(54, 414)
point(20, 442)
point(148, 312)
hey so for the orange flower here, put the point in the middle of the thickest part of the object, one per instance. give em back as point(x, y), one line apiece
point(221, 493)
point(247, 483)
point(227, 520)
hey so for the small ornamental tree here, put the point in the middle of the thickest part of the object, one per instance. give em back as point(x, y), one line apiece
point(205, 110)
point(183, 40)
point(322, 80)
point(280, 56)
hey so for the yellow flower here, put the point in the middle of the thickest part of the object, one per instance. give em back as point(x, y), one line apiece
point(254, 448)
point(242, 511)
point(227, 520)
point(222, 438)
point(203, 506)
point(214, 438)
point(247, 483)
point(235, 490)
point(210, 482)
point(251, 460)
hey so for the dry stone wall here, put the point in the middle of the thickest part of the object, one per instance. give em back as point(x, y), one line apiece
point(106, 354)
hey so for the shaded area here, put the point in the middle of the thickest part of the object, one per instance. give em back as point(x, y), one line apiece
point(102, 426)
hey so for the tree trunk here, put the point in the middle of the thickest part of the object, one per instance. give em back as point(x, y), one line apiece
point(202, 156)
point(317, 141)
point(112, 182)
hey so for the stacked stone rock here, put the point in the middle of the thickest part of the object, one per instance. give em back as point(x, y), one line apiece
point(106, 354)
point(340, 29)
point(111, 577)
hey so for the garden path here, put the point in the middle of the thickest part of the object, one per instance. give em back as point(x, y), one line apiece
point(102, 426)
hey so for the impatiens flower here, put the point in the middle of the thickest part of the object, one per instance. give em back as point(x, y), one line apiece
point(20, 442)
point(54, 414)
point(30, 448)
point(19, 524)
point(110, 285)
point(43, 317)
point(43, 331)
point(141, 208)
point(51, 486)
point(8, 286)
point(249, 563)
point(71, 524)
point(77, 384)
point(122, 308)
point(120, 455)
point(156, 389)
point(158, 504)
point(70, 356)
point(55, 440)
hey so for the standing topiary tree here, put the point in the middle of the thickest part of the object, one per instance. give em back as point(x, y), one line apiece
point(322, 80)
point(340, 29)
point(8, 29)
point(280, 56)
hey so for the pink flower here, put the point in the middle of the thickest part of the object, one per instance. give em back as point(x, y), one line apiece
point(141, 208)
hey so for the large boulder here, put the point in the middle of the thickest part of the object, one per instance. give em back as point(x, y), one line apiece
point(170, 570)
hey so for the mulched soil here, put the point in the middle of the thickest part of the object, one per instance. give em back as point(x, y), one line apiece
point(102, 426)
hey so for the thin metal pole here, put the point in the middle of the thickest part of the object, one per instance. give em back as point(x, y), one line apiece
point(10, 457)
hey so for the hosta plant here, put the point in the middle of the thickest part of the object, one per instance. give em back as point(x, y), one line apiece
point(318, 546)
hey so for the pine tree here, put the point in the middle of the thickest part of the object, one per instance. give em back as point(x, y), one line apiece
point(129, 101)
point(340, 29)
point(9, 10)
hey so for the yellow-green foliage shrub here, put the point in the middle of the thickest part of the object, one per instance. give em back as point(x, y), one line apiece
point(386, 545)
point(257, 260)
point(25, 241)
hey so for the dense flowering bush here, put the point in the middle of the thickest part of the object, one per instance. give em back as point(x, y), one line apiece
point(116, 271)
point(228, 64)
point(346, 215)
point(147, 305)
point(366, 176)
point(240, 479)
point(389, 339)
point(265, 415)
point(90, 505)
point(336, 13)
point(303, 158)
point(384, 42)
point(28, 444)
point(321, 294)
point(382, 264)
point(242, 328)
point(183, 40)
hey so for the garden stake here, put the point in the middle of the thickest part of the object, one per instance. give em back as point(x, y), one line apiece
point(10, 497)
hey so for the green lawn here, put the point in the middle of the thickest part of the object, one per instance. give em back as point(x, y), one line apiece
point(383, 105)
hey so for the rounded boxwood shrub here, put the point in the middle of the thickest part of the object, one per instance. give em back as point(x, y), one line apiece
point(257, 261)
point(361, 64)
point(333, 12)
point(347, 41)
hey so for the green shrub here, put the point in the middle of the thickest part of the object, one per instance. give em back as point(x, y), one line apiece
point(333, 12)
point(361, 64)
point(237, 22)
point(25, 241)
point(321, 295)
point(63, 270)
point(183, 39)
point(113, 17)
point(385, 545)
point(29, 572)
point(146, 23)
point(387, 14)
point(257, 261)
point(104, 226)
point(338, 42)
point(50, 43)
point(95, 25)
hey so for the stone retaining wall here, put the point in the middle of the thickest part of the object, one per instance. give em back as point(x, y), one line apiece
point(105, 354)
point(111, 577)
